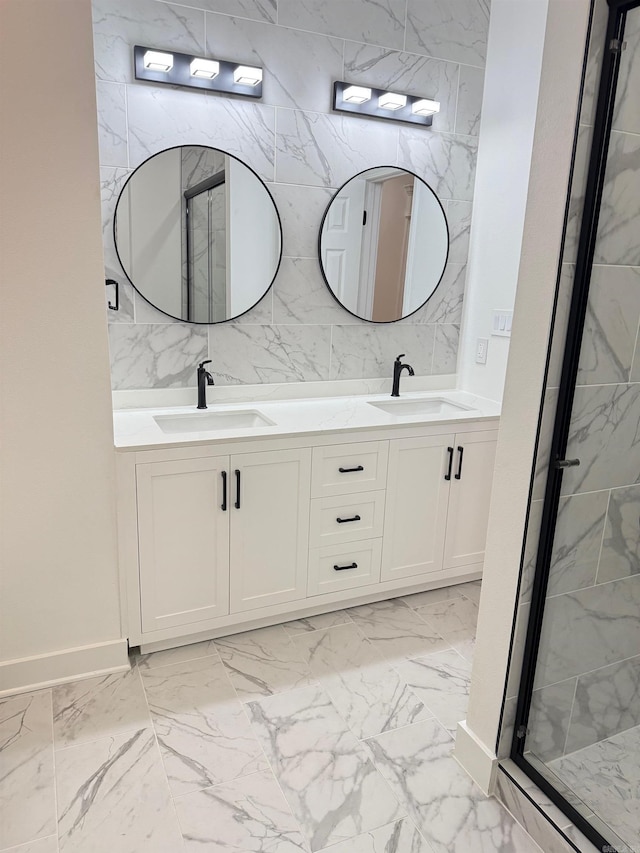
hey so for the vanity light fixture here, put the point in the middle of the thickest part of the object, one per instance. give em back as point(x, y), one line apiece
point(425, 107)
point(357, 94)
point(207, 68)
point(155, 60)
point(391, 101)
point(380, 103)
point(247, 75)
point(197, 72)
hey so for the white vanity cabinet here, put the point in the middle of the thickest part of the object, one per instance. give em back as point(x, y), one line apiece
point(221, 535)
point(183, 542)
point(231, 535)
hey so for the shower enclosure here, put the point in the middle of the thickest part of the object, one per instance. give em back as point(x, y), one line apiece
point(577, 728)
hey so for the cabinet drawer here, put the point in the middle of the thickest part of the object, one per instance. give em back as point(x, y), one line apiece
point(342, 469)
point(346, 518)
point(339, 567)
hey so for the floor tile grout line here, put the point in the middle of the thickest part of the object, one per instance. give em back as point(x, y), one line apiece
point(160, 755)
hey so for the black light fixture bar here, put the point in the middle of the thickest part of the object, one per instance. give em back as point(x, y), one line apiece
point(370, 107)
point(179, 73)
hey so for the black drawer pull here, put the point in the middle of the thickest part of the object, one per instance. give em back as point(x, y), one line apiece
point(344, 568)
point(350, 470)
point(345, 520)
point(447, 476)
point(459, 474)
point(237, 473)
point(224, 491)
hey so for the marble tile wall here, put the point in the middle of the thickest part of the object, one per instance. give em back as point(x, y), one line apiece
point(588, 673)
point(304, 152)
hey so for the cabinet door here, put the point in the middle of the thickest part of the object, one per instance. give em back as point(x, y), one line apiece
point(469, 498)
point(183, 542)
point(416, 507)
point(269, 528)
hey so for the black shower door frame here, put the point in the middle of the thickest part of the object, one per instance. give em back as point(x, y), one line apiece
point(586, 247)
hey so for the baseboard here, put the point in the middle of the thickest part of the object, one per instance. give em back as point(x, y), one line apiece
point(479, 762)
point(34, 673)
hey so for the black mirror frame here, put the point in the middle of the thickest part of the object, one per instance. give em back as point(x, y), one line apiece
point(275, 208)
point(324, 217)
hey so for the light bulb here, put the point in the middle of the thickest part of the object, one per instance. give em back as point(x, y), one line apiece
point(425, 107)
point(356, 94)
point(247, 75)
point(207, 68)
point(391, 101)
point(154, 60)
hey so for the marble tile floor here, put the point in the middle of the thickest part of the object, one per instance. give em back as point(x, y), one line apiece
point(606, 777)
point(333, 733)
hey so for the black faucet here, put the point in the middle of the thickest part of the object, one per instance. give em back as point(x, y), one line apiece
point(398, 367)
point(204, 379)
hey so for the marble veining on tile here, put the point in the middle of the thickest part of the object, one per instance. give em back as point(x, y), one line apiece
point(396, 631)
point(301, 295)
point(249, 815)
point(155, 356)
point(399, 837)
point(203, 732)
point(442, 681)
point(333, 788)
point(450, 812)
point(588, 629)
point(607, 702)
point(27, 788)
point(42, 845)
point(577, 541)
point(611, 325)
point(179, 654)
point(469, 100)
point(317, 623)
point(447, 162)
point(113, 796)
point(619, 221)
point(405, 72)
point(112, 124)
point(620, 555)
point(549, 719)
point(326, 150)
point(119, 24)
point(369, 695)
point(606, 776)
point(449, 30)
point(432, 596)
point(98, 707)
point(162, 117)
point(455, 620)
point(263, 662)
point(369, 351)
point(259, 10)
point(255, 354)
point(282, 53)
point(379, 22)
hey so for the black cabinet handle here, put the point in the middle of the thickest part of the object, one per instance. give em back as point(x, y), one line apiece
point(350, 470)
point(459, 474)
point(224, 491)
point(237, 504)
point(447, 476)
point(344, 568)
point(345, 520)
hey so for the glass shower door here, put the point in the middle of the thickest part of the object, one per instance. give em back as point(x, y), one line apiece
point(578, 719)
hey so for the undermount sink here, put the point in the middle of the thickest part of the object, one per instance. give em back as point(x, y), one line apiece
point(201, 422)
point(432, 406)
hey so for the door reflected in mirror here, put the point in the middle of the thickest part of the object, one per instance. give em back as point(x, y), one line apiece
point(198, 234)
point(384, 243)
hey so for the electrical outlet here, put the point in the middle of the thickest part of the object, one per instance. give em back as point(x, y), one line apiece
point(482, 346)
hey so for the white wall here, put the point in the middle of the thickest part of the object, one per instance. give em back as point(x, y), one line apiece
point(512, 80)
point(564, 45)
point(58, 571)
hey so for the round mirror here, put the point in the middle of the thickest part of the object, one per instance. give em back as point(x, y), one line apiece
point(384, 243)
point(198, 234)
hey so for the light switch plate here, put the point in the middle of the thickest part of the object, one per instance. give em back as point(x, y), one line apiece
point(501, 323)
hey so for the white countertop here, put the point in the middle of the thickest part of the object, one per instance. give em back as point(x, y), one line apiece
point(136, 429)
